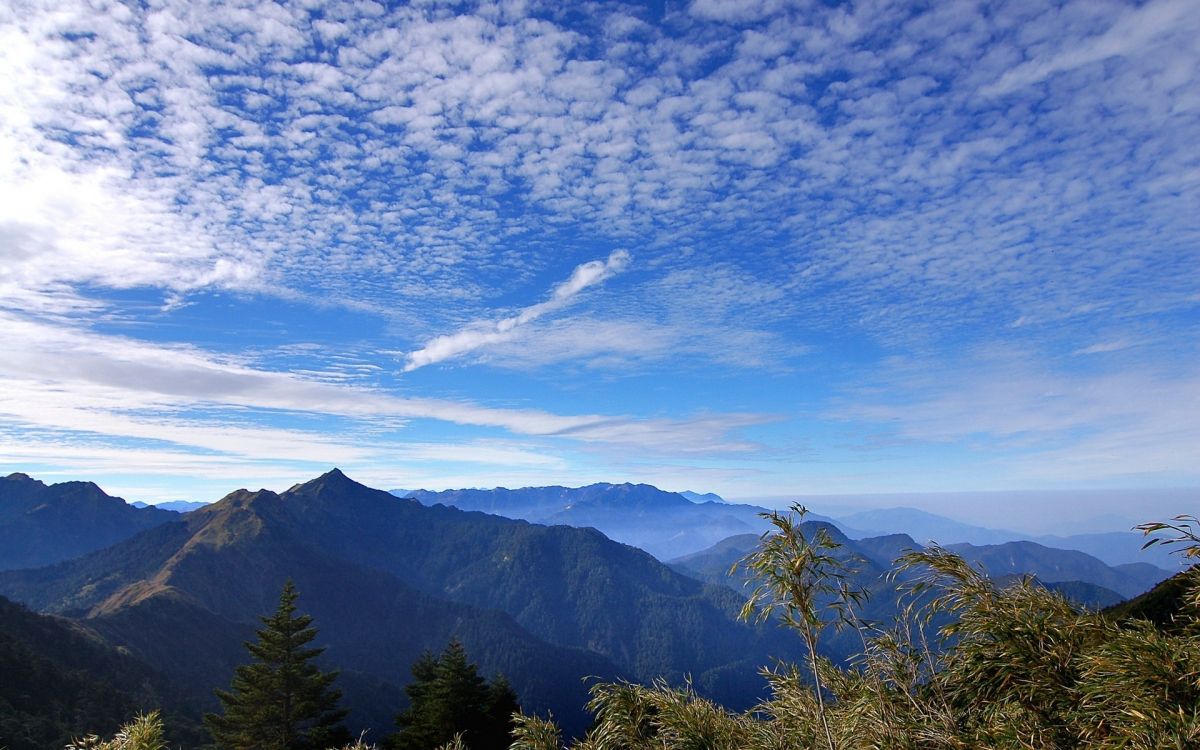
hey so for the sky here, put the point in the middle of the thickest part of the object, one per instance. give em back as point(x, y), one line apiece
point(754, 247)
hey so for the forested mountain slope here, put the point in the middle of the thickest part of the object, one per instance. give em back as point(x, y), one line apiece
point(59, 679)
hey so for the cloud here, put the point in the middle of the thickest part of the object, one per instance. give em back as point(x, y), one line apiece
point(481, 335)
point(1129, 34)
point(67, 378)
point(1106, 346)
point(1032, 420)
point(384, 159)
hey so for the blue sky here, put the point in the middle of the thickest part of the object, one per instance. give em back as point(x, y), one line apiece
point(754, 247)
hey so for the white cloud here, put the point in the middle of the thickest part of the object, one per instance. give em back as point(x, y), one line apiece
point(1104, 347)
point(1038, 422)
point(1129, 34)
point(68, 378)
point(480, 335)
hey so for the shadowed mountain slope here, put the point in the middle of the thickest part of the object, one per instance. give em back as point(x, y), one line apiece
point(42, 524)
point(1162, 605)
point(60, 680)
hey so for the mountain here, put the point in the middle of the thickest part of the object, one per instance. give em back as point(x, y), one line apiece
point(42, 524)
point(1085, 594)
point(707, 497)
point(665, 524)
point(386, 579)
point(1112, 547)
point(871, 557)
point(179, 506)
point(1079, 577)
point(1116, 548)
point(1054, 565)
point(870, 561)
point(61, 680)
point(1162, 604)
point(925, 527)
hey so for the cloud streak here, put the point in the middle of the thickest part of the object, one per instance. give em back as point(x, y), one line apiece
point(68, 378)
point(480, 335)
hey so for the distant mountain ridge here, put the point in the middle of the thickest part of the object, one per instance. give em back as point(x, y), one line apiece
point(41, 524)
point(707, 497)
point(386, 578)
point(1077, 575)
point(1113, 548)
point(179, 506)
point(665, 524)
point(1054, 565)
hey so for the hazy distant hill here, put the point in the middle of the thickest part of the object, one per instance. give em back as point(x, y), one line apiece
point(665, 524)
point(1077, 576)
point(387, 578)
point(1113, 548)
point(925, 527)
point(1053, 565)
point(179, 506)
point(42, 524)
point(707, 497)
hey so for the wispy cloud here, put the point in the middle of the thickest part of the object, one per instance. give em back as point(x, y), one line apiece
point(1104, 347)
point(1035, 421)
point(68, 378)
point(479, 335)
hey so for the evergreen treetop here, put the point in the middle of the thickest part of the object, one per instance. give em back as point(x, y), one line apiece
point(281, 700)
point(448, 698)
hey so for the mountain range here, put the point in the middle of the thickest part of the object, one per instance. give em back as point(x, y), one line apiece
point(665, 524)
point(1113, 547)
point(1079, 576)
point(60, 677)
point(179, 506)
point(386, 579)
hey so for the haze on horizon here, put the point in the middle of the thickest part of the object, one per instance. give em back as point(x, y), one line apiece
point(751, 247)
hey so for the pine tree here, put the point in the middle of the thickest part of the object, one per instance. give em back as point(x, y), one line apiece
point(281, 700)
point(448, 697)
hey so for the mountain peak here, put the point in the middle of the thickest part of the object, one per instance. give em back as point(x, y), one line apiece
point(18, 476)
point(333, 478)
point(334, 488)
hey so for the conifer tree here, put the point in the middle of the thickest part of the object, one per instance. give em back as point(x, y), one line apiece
point(448, 698)
point(281, 700)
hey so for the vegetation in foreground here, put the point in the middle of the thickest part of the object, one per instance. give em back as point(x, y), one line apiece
point(1016, 667)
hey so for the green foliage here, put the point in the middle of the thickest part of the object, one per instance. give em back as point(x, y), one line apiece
point(805, 584)
point(452, 705)
point(280, 701)
point(145, 732)
point(968, 664)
